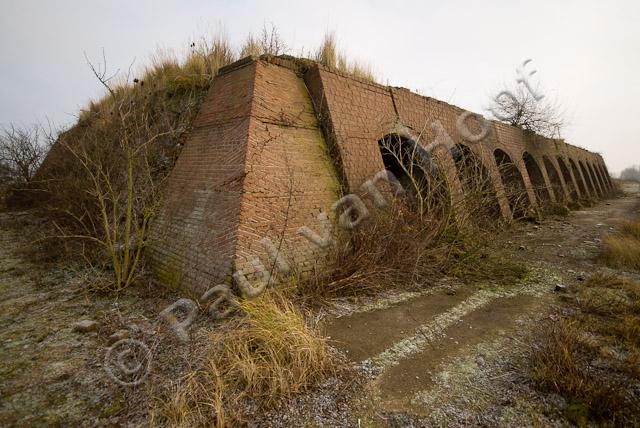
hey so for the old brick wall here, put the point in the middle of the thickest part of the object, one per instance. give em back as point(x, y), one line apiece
point(254, 166)
point(358, 114)
point(289, 175)
point(192, 241)
point(278, 141)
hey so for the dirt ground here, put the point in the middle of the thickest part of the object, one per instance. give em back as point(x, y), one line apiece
point(448, 356)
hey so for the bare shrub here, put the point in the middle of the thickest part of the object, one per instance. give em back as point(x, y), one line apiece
point(22, 150)
point(103, 176)
point(395, 249)
point(268, 43)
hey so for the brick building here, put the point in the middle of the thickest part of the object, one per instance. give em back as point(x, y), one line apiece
point(278, 141)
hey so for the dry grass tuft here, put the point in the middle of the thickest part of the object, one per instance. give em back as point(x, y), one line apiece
point(258, 360)
point(631, 228)
point(591, 356)
point(622, 250)
point(329, 55)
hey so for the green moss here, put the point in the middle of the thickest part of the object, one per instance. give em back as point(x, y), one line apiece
point(577, 413)
point(113, 409)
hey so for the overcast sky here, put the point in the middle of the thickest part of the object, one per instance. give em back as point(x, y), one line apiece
point(587, 53)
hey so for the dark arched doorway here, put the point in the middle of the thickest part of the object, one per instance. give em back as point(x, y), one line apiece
point(571, 187)
point(536, 178)
point(476, 182)
point(579, 180)
point(514, 187)
point(425, 187)
point(554, 178)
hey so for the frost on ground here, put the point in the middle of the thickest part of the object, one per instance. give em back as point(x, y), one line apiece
point(461, 366)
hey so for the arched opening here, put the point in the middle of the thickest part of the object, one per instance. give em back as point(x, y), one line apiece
point(536, 177)
point(603, 182)
point(591, 185)
point(417, 172)
point(597, 181)
point(571, 188)
point(479, 193)
point(604, 175)
point(514, 187)
point(581, 184)
point(554, 178)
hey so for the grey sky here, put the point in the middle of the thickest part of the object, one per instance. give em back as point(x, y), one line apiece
point(587, 53)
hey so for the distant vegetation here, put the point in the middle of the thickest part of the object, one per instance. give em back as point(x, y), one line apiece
point(632, 173)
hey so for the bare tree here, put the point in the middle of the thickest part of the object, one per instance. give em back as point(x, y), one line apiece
point(270, 41)
point(520, 108)
point(22, 150)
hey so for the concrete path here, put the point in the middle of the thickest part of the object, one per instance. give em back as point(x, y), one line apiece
point(413, 344)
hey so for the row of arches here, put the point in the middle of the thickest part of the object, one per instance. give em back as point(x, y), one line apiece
point(571, 180)
point(520, 183)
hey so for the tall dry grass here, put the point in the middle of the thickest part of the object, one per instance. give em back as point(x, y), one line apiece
point(591, 355)
point(252, 363)
point(329, 54)
point(622, 249)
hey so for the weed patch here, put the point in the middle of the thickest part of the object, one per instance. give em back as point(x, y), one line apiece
point(591, 355)
point(622, 249)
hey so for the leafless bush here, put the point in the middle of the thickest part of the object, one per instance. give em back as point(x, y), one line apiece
point(102, 177)
point(268, 43)
point(22, 150)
